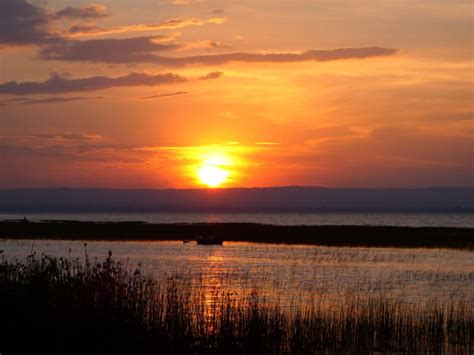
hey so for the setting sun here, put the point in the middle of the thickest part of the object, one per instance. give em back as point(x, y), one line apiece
point(212, 176)
point(216, 166)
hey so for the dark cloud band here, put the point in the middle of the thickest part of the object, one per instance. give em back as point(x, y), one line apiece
point(125, 52)
point(58, 84)
point(108, 50)
point(47, 100)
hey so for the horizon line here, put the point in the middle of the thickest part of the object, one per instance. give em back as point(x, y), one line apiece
point(231, 188)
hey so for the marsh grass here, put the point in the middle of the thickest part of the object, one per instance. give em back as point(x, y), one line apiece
point(64, 305)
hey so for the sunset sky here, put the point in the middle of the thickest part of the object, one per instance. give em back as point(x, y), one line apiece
point(195, 93)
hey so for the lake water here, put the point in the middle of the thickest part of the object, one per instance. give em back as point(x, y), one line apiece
point(348, 218)
point(283, 273)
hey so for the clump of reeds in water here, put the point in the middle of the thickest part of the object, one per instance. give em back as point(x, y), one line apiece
point(58, 305)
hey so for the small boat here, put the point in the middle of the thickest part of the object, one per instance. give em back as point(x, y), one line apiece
point(208, 240)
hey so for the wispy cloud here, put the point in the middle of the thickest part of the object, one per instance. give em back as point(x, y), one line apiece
point(268, 143)
point(68, 136)
point(171, 24)
point(213, 75)
point(181, 2)
point(58, 84)
point(87, 12)
point(46, 100)
point(209, 45)
point(159, 96)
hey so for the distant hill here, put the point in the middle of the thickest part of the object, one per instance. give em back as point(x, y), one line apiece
point(238, 199)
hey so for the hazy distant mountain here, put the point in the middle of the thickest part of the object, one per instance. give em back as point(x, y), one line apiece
point(252, 199)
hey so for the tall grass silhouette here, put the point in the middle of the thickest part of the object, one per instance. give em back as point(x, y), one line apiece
point(63, 305)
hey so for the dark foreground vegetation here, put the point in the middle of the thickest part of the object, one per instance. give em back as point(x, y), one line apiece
point(438, 237)
point(62, 306)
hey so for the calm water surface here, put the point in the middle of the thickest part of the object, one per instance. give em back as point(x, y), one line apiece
point(286, 274)
point(391, 219)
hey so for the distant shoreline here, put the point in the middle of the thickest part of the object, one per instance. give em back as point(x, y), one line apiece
point(277, 199)
point(328, 235)
point(224, 209)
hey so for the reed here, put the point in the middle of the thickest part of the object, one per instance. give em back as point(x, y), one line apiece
point(65, 305)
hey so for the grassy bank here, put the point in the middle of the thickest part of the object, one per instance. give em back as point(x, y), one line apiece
point(57, 305)
point(438, 237)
